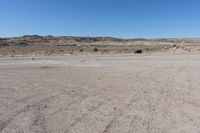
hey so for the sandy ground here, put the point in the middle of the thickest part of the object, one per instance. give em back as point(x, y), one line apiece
point(100, 94)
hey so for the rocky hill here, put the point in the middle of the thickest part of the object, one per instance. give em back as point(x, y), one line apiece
point(35, 40)
point(50, 45)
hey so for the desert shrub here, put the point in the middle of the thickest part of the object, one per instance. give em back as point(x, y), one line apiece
point(22, 44)
point(50, 52)
point(174, 45)
point(95, 49)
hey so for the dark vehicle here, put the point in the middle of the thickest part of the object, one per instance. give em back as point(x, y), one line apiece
point(138, 51)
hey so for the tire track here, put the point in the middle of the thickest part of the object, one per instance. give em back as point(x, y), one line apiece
point(79, 119)
point(109, 126)
point(4, 123)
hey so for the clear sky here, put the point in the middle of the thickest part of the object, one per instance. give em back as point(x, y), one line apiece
point(117, 18)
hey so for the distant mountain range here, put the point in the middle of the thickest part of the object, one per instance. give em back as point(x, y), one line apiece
point(72, 40)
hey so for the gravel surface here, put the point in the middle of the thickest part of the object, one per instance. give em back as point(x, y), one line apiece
point(100, 94)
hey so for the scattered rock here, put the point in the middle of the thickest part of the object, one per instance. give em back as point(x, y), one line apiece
point(189, 50)
point(44, 67)
point(166, 47)
point(4, 45)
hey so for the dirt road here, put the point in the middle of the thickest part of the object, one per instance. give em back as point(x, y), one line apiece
point(100, 94)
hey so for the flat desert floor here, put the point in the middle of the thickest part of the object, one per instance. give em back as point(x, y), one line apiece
point(100, 94)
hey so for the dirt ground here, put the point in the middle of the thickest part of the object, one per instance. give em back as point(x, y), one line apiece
point(100, 94)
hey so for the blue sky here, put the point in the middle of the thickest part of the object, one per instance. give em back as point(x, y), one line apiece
point(117, 18)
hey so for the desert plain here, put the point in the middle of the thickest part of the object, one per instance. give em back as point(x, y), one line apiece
point(153, 92)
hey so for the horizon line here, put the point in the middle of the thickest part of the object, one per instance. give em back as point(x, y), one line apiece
point(103, 36)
